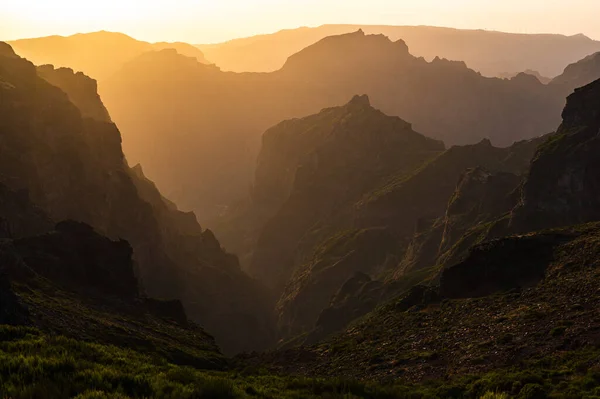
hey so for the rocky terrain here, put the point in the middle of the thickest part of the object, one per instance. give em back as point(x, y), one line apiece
point(509, 312)
point(329, 222)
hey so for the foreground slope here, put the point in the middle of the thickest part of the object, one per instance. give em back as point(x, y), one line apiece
point(74, 282)
point(488, 52)
point(73, 167)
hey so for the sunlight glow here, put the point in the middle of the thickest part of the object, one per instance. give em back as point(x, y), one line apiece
point(202, 21)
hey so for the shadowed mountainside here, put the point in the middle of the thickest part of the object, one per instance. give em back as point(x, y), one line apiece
point(523, 303)
point(72, 167)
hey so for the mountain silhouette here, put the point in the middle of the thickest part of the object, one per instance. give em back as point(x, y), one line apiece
point(198, 119)
point(491, 53)
point(97, 54)
point(580, 73)
point(72, 167)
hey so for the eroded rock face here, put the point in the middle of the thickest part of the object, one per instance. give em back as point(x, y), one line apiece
point(76, 256)
point(563, 187)
point(82, 90)
point(501, 265)
point(19, 217)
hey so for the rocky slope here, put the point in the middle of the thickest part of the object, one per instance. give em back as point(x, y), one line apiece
point(311, 170)
point(96, 54)
point(488, 52)
point(525, 303)
point(338, 196)
point(565, 195)
point(68, 279)
point(73, 167)
point(220, 116)
point(74, 282)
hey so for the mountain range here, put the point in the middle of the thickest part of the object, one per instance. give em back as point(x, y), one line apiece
point(98, 54)
point(515, 296)
point(488, 52)
point(211, 120)
point(384, 245)
point(206, 124)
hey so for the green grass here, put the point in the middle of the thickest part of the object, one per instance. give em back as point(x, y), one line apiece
point(40, 366)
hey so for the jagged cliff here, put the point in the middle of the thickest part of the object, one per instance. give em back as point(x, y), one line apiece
point(522, 303)
point(561, 188)
point(82, 90)
point(342, 191)
point(369, 201)
point(72, 167)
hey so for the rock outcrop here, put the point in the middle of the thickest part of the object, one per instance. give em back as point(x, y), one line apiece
point(562, 185)
point(82, 90)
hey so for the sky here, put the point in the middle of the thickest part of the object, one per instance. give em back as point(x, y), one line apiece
point(211, 21)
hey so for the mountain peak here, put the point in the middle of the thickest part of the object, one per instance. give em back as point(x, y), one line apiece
point(334, 53)
point(360, 100)
point(6, 50)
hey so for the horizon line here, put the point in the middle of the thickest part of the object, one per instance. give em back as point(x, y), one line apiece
point(194, 43)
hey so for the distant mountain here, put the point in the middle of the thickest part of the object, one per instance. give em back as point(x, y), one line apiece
point(581, 72)
point(491, 53)
point(69, 162)
point(206, 124)
point(97, 54)
point(543, 79)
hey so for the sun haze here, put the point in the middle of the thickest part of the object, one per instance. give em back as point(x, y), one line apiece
point(204, 21)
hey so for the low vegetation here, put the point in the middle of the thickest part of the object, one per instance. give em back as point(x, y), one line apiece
point(36, 365)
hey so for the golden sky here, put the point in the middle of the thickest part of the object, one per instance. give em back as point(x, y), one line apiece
point(206, 21)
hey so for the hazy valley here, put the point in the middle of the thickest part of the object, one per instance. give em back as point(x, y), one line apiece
point(345, 214)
